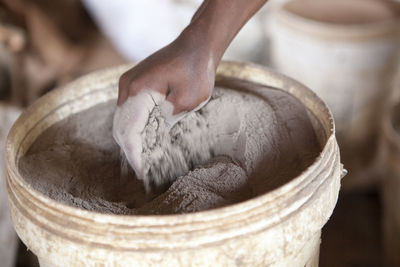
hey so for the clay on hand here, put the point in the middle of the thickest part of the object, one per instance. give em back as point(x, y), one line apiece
point(181, 73)
point(178, 78)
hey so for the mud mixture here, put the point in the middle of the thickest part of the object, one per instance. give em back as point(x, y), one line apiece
point(256, 142)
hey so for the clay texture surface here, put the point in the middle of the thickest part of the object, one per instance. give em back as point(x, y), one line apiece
point(240, 145)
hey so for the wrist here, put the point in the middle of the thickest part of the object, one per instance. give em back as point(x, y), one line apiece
point(195, 40)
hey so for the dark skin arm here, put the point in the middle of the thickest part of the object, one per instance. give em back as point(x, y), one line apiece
point(184, 71)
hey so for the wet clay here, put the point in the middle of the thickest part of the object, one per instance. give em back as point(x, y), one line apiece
point(257, 140)
point(170, 153)
point(345, 11)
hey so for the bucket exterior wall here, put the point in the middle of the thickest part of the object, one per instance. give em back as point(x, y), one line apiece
point(279, 228)
point(349, 67)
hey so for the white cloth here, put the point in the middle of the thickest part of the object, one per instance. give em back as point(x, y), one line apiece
point(138, 28)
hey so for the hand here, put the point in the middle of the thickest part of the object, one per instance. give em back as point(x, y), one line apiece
point(183, 72)
point(179, 78)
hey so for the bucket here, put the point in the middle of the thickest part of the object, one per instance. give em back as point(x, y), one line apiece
point(345, 51)
point(390, 156)
point(279, 228)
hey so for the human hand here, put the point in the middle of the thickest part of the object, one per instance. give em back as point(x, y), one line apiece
point(178, 78)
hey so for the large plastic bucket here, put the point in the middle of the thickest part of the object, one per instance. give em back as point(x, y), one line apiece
point(348, 62)
point(279, 228)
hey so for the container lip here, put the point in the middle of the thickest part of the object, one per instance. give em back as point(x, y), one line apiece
point(230, 69)
point(356, 31)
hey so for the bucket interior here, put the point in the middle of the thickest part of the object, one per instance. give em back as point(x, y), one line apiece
point(72, 164)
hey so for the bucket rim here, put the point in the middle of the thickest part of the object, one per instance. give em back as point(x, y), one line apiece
point(18, 188)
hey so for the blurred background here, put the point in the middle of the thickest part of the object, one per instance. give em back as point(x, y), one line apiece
point(347, 51)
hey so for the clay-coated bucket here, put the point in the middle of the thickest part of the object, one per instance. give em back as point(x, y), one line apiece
point(390, 156)
point(347, 63)
point(279, 228)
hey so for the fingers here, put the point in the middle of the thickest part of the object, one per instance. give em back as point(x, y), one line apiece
point(131, 84)
point(179, 103)
point(185, 100)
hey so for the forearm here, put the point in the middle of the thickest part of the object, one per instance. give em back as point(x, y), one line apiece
point(217, 22)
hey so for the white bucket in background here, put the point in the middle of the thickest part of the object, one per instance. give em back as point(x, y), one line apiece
point(345, 51)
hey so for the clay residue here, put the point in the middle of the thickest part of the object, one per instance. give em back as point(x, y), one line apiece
point(238, 146)
point(345, 11)
point(170, 153)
